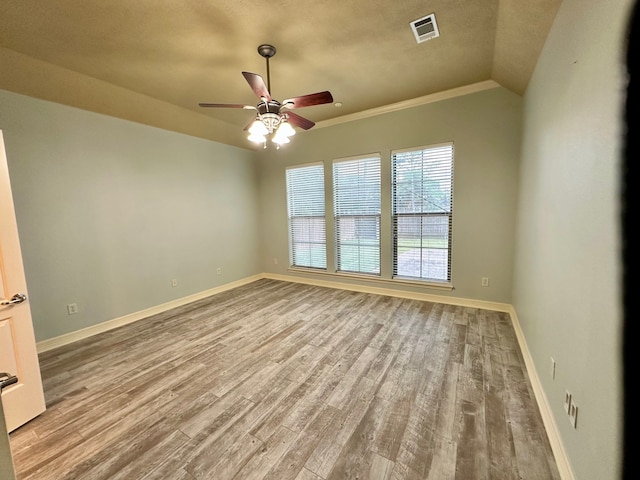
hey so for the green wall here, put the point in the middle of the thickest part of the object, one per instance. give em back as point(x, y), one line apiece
point(485, 129)
point(567, 291)
point(110, 211)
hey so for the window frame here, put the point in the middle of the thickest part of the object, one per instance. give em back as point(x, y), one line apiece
point(294, 260)
point(359, 242)
point(424, 214)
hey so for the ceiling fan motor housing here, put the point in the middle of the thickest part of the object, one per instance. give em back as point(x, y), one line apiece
point(272, 106)
point(269, 113)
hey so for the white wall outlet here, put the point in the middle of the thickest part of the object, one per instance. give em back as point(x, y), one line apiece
point(573, 414)
point(219, 271)
point(553, 368)
point(485, 281)
point(174, 282)
point(275, 260)
point(567, 401)
point(72, 308)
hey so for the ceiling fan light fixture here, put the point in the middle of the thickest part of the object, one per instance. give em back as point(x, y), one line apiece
point(258, 128)
point(257, 138)
point(280, 139)
point(270, 120)
point(285, 129)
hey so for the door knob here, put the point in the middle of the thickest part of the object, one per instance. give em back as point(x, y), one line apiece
point(7, 379)
point(17, 298)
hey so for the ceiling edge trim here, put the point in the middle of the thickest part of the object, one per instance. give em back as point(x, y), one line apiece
point(414, 102)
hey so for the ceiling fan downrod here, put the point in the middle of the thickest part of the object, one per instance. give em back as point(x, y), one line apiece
point(267, 51)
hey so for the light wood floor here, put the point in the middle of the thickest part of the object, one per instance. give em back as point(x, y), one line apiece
point(276, 380)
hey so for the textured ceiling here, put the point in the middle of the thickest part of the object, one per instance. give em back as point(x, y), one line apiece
point(153, 61)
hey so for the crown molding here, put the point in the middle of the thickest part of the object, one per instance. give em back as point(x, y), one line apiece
point(414, 102)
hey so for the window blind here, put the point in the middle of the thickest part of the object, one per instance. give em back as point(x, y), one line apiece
point(306, 213)
point(422, 200)
point(356, 190)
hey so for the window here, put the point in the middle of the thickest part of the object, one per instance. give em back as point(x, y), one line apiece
point(356, 191)
point(422, 194)
point(305, 206)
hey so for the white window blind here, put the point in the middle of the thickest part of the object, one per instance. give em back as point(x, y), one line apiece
point(307, 227)
point(356, 190)
point(422, 200)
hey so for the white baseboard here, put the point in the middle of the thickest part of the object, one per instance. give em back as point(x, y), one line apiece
point(463, 302)
point(71, 337)
point(559, 452)
point(562, 461)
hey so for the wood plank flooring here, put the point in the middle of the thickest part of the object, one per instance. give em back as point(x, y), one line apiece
point(276, 380)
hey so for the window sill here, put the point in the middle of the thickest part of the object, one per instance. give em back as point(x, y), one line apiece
point(375, 278)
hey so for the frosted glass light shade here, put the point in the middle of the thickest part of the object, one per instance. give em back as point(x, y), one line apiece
point(285, 129)
point(280, 139)
point(258, 138)
point(258, 128)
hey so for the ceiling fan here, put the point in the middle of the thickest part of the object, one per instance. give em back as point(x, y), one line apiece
point(274, 117)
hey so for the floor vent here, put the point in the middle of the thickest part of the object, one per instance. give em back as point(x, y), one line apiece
point(425, 28)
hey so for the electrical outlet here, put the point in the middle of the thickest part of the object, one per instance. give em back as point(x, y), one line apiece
point(174, 282)
point(219, 270)
point(553, 368)
point(275, 260)
point(567, 402)
point(485, 281)
point(573, 414)
point(72, 308)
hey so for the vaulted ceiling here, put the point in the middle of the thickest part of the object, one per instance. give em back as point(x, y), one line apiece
point(154, 61)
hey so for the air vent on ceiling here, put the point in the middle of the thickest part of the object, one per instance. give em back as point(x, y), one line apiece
point(425, 28)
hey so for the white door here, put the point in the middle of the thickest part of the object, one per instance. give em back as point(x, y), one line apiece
point(23, 400)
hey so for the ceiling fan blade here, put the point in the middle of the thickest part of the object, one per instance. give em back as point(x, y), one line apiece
point(309, 100)
point(228, 105)
point(299, 121)
point(257, 84)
